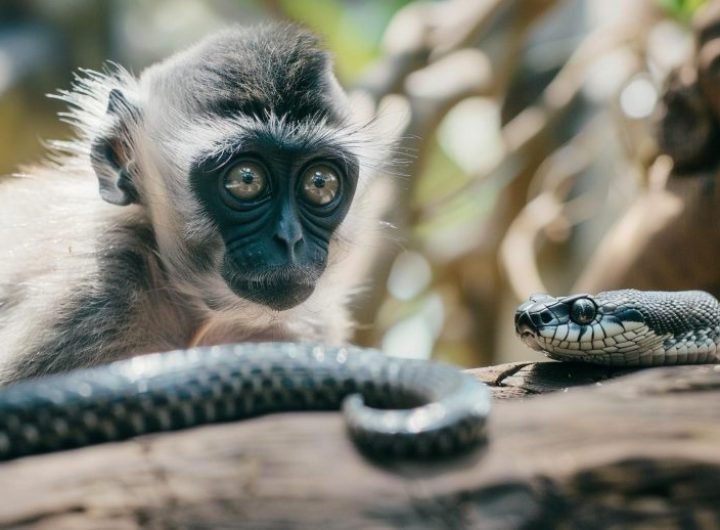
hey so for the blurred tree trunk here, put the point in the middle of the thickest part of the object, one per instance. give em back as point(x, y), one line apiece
point(670, 237)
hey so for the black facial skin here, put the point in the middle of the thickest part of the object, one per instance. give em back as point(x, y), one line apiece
point(276, 244)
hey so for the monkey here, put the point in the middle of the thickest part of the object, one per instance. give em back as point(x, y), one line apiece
point(222, 195)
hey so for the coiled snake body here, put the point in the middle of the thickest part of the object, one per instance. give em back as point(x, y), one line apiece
point(625, 327)
point(436, 409)
point(440, 409)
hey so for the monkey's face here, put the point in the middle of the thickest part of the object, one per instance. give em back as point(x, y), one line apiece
point(276, 203)
point(257, 125)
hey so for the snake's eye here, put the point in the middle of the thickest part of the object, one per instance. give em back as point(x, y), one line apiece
point(246, 180)
point(583, 311)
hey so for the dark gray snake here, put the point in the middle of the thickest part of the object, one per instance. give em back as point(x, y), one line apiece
point(626, 327)
point(414, 408)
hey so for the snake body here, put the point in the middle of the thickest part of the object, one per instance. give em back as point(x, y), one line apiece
point(393, 407)
point(625, 327)
point(421, 409)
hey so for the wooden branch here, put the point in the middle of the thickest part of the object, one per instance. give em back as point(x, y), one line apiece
point(638, 452)
point(432, 60)
point(707, 45)
point(550, 206)
point(667, 240)
point(527, 130)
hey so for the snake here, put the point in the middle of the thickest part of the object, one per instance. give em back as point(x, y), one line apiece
point(393, 407)
point(625, 327)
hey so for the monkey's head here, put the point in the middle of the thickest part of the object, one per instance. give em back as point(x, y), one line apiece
point(241, 153)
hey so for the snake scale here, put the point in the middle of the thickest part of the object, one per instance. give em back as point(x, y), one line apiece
point(415, 409)
point(393, 407)
point(623, 328)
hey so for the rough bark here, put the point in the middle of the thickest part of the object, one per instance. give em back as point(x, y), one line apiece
point(638, 452)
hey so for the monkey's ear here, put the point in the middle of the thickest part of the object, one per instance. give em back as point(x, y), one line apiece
point(111, 154)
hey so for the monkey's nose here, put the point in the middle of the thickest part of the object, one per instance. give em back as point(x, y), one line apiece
point(290, 246)
point(289, 239)
point(289, 234)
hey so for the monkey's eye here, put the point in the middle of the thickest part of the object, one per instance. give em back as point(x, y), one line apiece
point(583, 311)
point(246, 180)
point(320, 184)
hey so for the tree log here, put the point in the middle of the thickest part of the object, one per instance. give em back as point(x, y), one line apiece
point(637, 452)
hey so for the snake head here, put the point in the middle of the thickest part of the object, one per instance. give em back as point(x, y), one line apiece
point(542, 312)
point(581, 324)
point(624, 327)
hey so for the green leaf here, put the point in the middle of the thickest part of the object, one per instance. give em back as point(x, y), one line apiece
point(682, 10)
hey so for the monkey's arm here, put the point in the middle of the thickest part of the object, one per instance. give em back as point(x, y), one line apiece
point(115, 305)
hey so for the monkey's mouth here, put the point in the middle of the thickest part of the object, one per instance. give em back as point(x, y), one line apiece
point(280, 288)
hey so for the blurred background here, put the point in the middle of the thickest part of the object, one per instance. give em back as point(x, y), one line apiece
point(523, 130)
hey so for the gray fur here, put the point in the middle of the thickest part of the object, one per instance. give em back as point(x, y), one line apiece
point(84, 282)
